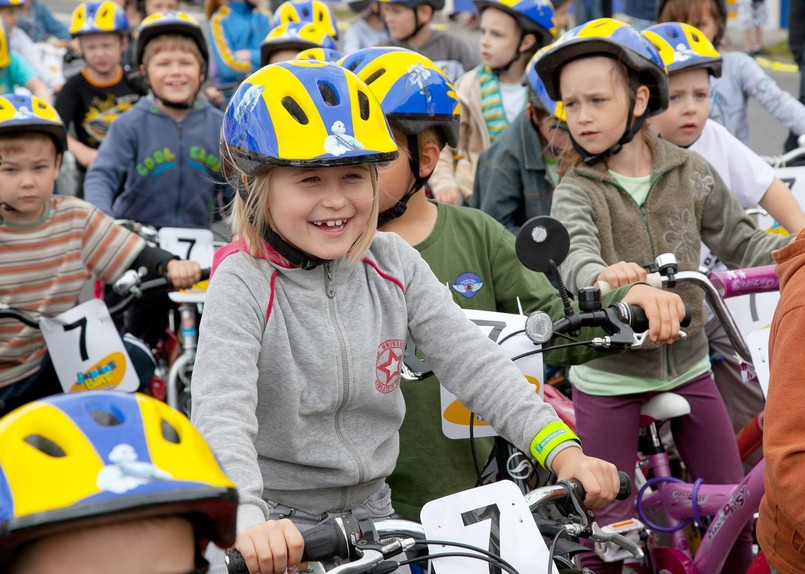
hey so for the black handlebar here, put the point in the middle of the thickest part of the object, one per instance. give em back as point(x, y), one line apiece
point(341, 537)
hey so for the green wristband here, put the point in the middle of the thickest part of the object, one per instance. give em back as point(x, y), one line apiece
point(549, 438)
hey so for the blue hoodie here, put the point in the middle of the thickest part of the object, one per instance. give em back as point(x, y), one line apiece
point(236, 26)
point(158, 171)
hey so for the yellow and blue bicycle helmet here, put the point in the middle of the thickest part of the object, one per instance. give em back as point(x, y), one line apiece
point(304, 113)
point(5, 51)
point(320, 54)
point(684, 47)
point(25, 113)
point(296, 36)
point(613, 39)
point(315, 11)
point(88, 458)
point(98, 18)
point(415, 94)
point(532, 79)
point(171, 23)
point(674, 13)
point(533, 16)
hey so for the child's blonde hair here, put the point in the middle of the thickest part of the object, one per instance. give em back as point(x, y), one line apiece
point(251, 216)
point(171, 42)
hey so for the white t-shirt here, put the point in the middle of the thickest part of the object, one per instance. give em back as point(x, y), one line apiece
point(513, 98)
point(745, 174)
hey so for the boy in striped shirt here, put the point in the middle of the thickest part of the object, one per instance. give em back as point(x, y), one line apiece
point(49, 246)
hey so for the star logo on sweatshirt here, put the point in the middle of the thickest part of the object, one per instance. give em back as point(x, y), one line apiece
point(387, 366)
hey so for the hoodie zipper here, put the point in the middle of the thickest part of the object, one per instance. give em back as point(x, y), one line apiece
point(180, 167)
point(329, 288)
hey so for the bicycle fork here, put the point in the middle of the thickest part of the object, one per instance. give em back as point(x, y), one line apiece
point(189, 330)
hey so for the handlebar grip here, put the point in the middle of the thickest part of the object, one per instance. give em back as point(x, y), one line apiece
point(327, 540)
point(235, 564)
point(205, 273)
point(625, 486)
point(638, 321)
point(653, 279)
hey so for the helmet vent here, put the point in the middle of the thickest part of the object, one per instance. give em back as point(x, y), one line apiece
point(293, 108)
point(375, 76)
point(45, 445)
point(363, 105)
point(353, 65)
point(105, 418)
point(328, 93)
point(673, 34)
point(169, 432)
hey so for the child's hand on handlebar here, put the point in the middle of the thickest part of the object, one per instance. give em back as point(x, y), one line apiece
point(598, 477)
point(183, 274)
point(271, 547)
point(622, 273)
point(664, 311)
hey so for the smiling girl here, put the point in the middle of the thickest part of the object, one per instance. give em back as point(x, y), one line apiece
point(296, 384)
point(627, 197)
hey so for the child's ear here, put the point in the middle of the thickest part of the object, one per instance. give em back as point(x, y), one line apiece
point(428, 158)
point(641, 101)
point(143, 72)
point(424, 13)
point(528, 41)
point(124, 42)
point(59, 157)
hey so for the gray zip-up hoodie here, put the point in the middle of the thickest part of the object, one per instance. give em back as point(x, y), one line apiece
point(296, 383)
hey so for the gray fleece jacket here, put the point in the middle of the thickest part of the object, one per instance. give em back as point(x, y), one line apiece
point(296, 383)
point(687, 205)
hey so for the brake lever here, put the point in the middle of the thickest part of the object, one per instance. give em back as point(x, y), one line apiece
point(600, 536)
point(372, 554)
point(640, 338)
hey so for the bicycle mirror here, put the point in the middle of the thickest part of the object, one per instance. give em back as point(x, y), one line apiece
point(542, 239)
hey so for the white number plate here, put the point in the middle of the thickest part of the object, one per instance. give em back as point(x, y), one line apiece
point(498, 327)
point(87, 351)
point(495, 518)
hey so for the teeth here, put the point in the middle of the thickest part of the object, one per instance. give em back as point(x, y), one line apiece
point(331, 223)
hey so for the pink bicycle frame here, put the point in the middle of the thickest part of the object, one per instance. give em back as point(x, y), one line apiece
point(745, 281)
point(732, 507)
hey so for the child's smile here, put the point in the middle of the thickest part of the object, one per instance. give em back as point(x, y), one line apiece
point(321, 211)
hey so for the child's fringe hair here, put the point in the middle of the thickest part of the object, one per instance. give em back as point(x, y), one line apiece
point(251, 218)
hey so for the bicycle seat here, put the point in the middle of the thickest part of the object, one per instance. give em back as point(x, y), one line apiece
point(663, 407)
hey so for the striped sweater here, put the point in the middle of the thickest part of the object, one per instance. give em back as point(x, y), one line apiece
point(43, 267)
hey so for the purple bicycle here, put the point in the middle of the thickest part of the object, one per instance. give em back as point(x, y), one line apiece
point(719, 512)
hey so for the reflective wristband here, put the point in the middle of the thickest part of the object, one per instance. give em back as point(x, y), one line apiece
point(548, 438)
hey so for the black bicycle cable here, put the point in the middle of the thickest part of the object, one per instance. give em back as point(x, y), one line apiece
point(486, 555)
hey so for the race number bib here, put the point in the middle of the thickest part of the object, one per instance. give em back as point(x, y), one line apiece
point(506, 330)
point(87, 351)
point(195, 245)
point(495, 518)
point(192, 244)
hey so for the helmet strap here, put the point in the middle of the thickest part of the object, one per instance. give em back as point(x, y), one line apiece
point(633, 125)
point(417, 25)
point(517, 55)
point(295, 256)
point(402, 204)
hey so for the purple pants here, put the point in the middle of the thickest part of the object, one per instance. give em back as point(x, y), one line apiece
point(608, 428)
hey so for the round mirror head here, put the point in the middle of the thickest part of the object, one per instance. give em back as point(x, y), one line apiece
point(540, 240)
